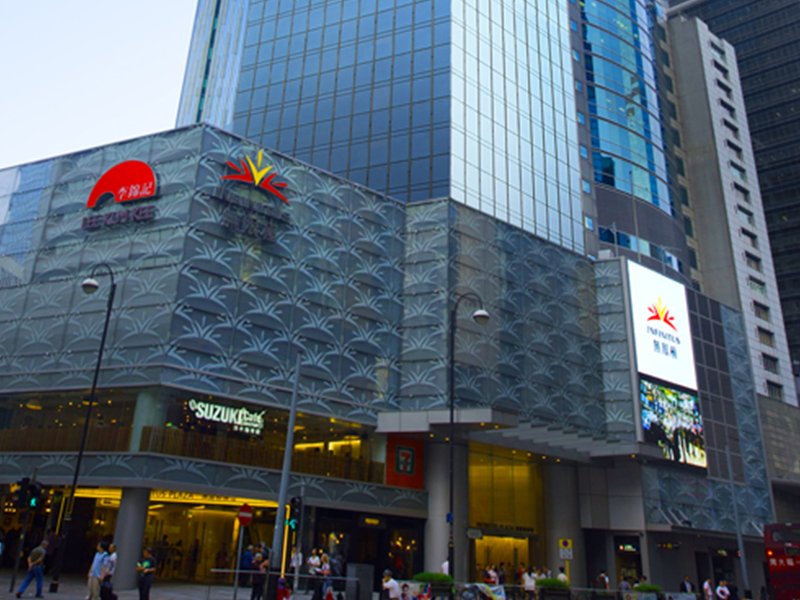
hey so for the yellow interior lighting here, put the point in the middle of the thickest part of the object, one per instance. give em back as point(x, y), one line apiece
point(174, 497)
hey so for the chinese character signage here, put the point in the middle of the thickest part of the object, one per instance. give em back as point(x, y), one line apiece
point(662, 337)
point(125, 182)
point(671, 420)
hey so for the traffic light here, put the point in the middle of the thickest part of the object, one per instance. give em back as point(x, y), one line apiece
point(35, 493)
point(20, 497)
point(295, 513)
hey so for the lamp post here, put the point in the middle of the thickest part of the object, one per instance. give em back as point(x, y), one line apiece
point(481, 317)
point(89, 286)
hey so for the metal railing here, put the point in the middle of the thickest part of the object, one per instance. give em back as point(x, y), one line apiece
point(240, 585)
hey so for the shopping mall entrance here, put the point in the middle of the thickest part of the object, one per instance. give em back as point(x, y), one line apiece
point(506, 511)
point(190, 534)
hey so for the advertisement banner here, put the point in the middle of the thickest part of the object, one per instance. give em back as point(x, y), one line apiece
point(661, 332)
point(671, 420)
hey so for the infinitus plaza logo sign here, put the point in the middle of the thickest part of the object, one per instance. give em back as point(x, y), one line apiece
point(660, 317)
point(128, 181)
point(248, 214)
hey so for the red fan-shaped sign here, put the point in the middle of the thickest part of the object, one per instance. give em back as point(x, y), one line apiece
point(127, 181)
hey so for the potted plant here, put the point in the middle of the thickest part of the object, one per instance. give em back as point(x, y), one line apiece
point(440, 584)
point(647, 591)
point(551, 588)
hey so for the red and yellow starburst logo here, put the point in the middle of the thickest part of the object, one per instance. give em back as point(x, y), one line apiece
point(659, 312)
point(254, 173)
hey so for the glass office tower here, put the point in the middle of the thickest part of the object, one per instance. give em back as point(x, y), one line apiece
point(623, 112)
point(471, 100)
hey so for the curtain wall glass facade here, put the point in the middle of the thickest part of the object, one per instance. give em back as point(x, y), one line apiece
point(418, 100)
point(626, 123)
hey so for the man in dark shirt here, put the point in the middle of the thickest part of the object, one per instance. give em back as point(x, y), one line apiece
point(35, 570)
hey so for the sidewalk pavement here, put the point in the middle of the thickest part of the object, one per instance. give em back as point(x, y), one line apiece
point(72, 588)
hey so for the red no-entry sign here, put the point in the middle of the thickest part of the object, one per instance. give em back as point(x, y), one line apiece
point(245, 515)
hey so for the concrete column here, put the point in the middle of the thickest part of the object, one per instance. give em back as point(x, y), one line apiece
point(437, 482)
point(562, 518)
point(150, 411)
point(128, 535)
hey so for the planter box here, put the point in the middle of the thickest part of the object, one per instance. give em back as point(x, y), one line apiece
point(553, 594)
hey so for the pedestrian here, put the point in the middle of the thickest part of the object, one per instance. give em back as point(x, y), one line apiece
point(296, 560)
point(259, 567)
point(245, 566)
point(390, 586)
point(106, 585)
point(722, 591)
point(325, 573)
point(602, 581)
point(491, 575)
point(98, 568)
point(146, 569)
point(529, 583)
point(312, 564)
point(35, 570)
point(687, 587)
point(708, 590)
point(562, 576)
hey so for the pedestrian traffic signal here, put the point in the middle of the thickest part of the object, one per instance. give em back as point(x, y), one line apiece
point(20, 497)
point(34, 495)
point(295, 512)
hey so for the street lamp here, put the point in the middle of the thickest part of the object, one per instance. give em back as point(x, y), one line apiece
point(481, 317)
point(89, 286)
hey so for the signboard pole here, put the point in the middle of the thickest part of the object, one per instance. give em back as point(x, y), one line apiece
point(238, 561)
point(299, 540)
point(739, 540)
point(280, 515)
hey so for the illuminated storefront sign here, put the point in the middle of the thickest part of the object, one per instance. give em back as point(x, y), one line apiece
point(239, 419)
point(661, 332)
point(127, 181)
point(671, 420)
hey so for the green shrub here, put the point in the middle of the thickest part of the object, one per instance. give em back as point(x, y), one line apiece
point(551, 583)
point(429, 577)
point(647, 588)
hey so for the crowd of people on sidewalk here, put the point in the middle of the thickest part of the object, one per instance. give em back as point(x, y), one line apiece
point(101, 572)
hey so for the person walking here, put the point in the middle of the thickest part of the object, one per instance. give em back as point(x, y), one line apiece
point(722, 591)
point(390, 586)
point(259, 568)
point(96, 571)
point(686, 587)
point(602, 582)
point(708, 589)
point(146, 569)
point(529, 583)
point(313, 565)
point(106, 585)
point(35, 570)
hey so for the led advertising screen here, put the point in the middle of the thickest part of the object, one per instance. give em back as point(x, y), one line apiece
point(671, 419)
point(661, 333)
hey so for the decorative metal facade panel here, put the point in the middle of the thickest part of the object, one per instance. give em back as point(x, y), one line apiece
point(165, 472)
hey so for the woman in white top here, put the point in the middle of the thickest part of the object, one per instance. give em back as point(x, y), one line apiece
point(529, 583)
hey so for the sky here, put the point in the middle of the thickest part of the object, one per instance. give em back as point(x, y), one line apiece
point(75, 74)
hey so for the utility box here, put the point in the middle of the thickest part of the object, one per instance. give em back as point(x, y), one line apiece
point(359, 581)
